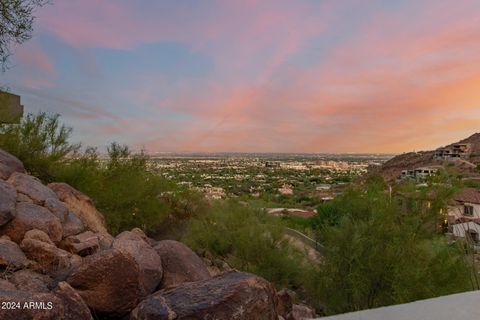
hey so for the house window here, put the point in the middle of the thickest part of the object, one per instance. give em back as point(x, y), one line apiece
point(468, 210)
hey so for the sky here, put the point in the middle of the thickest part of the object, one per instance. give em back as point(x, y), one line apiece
point(256, 75)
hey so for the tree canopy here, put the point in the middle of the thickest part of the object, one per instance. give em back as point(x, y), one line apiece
point(16, 24)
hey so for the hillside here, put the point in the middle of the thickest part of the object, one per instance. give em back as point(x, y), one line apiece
point(391, 169)
point(55, 250)
point(474, 140)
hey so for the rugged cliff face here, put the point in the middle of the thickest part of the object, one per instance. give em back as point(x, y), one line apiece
point(57, 261)
point(391, 169)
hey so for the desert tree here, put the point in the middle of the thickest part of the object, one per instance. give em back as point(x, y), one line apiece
point(16, 24)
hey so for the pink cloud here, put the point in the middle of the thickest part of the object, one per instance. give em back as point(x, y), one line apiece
point(379, 88)
point(42, 71)
point(34, 57)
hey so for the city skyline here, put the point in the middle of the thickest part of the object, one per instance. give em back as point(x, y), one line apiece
point(256, 76)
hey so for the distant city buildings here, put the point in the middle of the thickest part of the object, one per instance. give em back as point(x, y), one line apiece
point(272, 164)
point(280, 179)
point(291, 212)
point(323, 187)
point(285, 190)
point(211, 192)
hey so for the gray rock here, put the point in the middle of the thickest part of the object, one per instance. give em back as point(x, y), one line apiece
point(11, 255)
point(72, 225)
point(28, 280)
point(48, 305)
point(38, 235)
point(108, 282)
point(32, 187)
point(57, 208)
point(5, 172)
point(8, 196)
point(49, 258)
point(147, 259)
point(232, 295)
point(5, 284)
point(23, 198)
point(30, 216)
point(9, 164)
point(180, 264)
point(73, 304)
point(105, 241)
point(81, 205)
point(83, 244)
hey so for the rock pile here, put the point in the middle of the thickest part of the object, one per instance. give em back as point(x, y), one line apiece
point(57, 261)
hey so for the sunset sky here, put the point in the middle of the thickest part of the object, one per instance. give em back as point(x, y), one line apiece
point(256, 76)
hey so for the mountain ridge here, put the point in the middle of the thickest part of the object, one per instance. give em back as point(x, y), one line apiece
point(392, 168)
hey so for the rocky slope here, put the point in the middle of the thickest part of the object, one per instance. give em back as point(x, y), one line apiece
point(391, 169)
point(57, 261)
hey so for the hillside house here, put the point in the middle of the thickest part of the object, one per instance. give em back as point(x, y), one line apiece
point(11, 111)
point(469, 230)
point(455, 151)
point(465, 205)
point(419, 173)
point(463, 214)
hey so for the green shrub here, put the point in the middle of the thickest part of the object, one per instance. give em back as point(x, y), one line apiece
point(376, 255)
point(122, 187)
point(40, 142)
point(251, 241)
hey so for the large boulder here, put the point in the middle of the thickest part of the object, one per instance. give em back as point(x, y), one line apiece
point(74, 306)
point(9, 164)
point(147, 259)
point(108, 282)
point(72, 225)
point(8, 196)
point(11, 256)
point(29, 216)
point(31, 187)
point(180, 264)
point(105, 241)
point(5, 284)
point(83, 244)
point(28, 280)
point(49, 258)
point(5, 172)
point(81, 205)
point(232, 295)
point(25, 305)
point(57, 208)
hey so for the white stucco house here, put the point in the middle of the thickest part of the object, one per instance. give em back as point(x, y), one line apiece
point(466, 204)
point(463, 214)
point(467, 229)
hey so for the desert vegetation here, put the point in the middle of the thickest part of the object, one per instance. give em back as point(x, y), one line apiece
point(120, 184)
point(376, 251)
